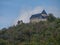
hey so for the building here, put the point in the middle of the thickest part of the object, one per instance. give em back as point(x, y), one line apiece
point(39, 17)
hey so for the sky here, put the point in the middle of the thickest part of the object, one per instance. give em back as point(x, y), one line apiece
point(13, 10)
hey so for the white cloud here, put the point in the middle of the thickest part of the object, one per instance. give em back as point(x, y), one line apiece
point(25, 14)
point(54, 10)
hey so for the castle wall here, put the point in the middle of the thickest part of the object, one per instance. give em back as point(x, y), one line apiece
point(37, 20)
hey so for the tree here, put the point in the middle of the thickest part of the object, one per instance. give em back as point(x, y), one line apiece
point(19, 22)
point(51, 17)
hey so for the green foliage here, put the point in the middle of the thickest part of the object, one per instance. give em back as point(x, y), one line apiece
point(51, 17)
point(42, 33)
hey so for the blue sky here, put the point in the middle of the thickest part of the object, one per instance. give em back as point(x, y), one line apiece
point(13, 10)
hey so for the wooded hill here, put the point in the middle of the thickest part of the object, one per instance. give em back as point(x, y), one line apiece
point(42, 33)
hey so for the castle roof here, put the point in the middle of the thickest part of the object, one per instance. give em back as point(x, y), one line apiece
point(39, 15)
point(35, 16)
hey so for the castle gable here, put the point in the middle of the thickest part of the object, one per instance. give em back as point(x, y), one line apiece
point(44, 12)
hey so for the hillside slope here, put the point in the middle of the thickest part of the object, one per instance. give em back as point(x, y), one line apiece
point(42, 33)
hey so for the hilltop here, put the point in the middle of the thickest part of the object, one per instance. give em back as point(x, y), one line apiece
point(41, 33)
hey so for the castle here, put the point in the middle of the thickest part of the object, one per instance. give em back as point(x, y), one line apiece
point(39, 17)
